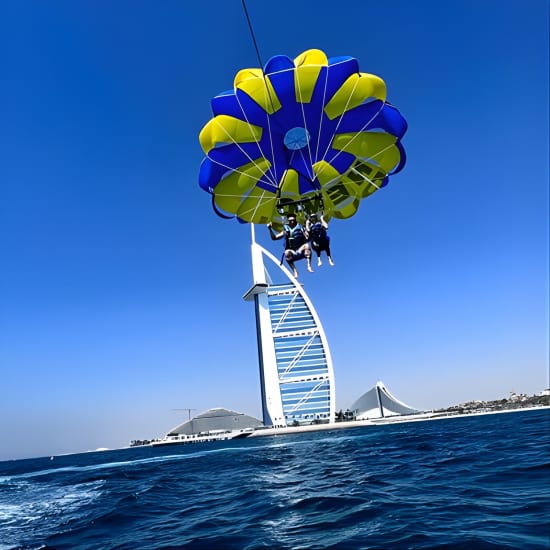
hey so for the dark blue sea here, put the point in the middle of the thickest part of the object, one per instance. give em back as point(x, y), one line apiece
point(473, 482)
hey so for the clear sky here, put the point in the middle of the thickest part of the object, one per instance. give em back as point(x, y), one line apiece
point(121, 291)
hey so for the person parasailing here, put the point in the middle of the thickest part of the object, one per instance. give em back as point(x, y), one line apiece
point(296, 243)
point(320, 241)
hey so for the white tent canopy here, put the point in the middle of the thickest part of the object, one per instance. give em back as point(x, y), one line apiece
point(378, 402)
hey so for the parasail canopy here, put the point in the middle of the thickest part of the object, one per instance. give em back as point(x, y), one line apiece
point(302, 135)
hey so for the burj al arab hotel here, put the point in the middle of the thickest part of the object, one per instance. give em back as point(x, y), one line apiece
point(296, 373)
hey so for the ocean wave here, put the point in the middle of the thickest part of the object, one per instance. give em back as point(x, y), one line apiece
point(479, 483)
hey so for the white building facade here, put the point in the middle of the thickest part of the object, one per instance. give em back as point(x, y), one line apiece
point(296, 372)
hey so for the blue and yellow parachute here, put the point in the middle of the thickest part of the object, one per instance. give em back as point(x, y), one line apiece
point(312, 134)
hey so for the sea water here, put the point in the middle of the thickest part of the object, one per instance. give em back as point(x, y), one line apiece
point(471, 482)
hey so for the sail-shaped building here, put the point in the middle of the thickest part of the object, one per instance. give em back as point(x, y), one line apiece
point(378, 402)
point(296, 372)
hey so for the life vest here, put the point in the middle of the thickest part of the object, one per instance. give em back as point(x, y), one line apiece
point(295, 237)
point(318, 233)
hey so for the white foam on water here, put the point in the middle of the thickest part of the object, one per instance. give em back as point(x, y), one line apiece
point(30, 507)
point(117, 464)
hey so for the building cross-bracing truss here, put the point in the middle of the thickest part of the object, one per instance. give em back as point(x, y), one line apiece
point(296, 373)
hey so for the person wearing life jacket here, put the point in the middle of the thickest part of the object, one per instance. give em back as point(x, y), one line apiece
point(320, 241)
point(296, 243)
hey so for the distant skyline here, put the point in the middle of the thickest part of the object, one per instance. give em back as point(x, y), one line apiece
point(120, 289)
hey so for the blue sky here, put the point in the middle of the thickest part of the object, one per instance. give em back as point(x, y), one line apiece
point(121, 291)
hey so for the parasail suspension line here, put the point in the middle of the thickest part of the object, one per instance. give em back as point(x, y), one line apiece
point(252, 34)
point(257, 52)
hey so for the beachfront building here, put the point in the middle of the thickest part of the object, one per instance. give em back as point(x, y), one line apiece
point(214, 420)
point(378, 402)
point(296, 374)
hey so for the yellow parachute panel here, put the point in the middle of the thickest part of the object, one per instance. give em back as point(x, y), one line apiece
point(325, 172)
point(354, 92)
point(225, 129)
point(308, 67)
point(370, 145)
point(259, 88)
point(258, 206)
point(365, 177)
point(289, 188)
point(230, 190)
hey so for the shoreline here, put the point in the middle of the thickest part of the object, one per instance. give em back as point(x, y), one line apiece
point(290, 430)
point(264, 432)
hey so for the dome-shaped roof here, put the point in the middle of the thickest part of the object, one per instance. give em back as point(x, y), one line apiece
point(214, 420)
